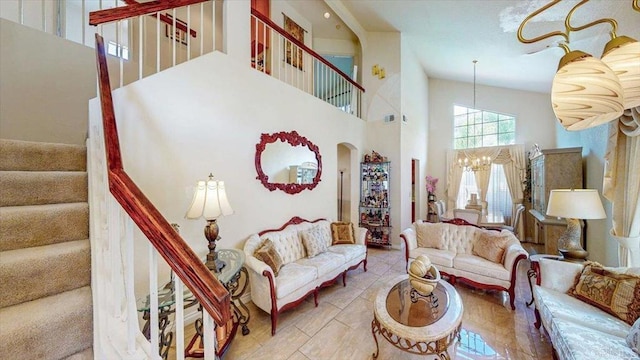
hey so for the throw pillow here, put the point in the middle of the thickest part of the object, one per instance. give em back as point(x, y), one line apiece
point(491, 245)
point(314, 241)
point(342, 233)
point(268, 254)
point(613, 292)
point(633, 339)
point(429, 235)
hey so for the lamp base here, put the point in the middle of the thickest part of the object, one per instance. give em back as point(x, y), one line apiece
point(211, 233)
point(569, 242)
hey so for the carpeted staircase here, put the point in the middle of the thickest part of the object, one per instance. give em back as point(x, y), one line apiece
point(45, 255)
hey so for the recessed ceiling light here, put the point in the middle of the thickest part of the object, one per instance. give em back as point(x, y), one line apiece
point(327, 15)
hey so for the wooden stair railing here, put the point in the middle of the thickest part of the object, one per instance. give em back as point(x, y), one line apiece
point(304, 47)
point(211, 294)
point(138, 9)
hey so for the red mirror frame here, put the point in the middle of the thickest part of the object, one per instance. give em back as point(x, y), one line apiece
point(294, 139)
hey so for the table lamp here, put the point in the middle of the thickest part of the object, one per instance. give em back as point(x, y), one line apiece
point(574, 204)
point(210, 202)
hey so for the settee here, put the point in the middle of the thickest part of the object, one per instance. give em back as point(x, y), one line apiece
point(486, 259)
point(301, 269)
point(577, 324)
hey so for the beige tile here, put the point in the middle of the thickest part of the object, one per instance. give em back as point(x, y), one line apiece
point(357, 315)
point(326, 342)
point(311, 321)
point(281, 346)
point(339, 295)
point(298, 356)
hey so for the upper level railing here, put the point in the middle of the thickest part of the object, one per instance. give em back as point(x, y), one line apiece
point(277, 53)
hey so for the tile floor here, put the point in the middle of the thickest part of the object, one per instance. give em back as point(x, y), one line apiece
point(340, 327)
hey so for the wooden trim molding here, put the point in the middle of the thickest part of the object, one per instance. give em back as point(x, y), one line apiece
point(211, 294)
point(294, 139)
point(137, 9)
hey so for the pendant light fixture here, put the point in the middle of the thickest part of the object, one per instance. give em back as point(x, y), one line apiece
point(585, 91)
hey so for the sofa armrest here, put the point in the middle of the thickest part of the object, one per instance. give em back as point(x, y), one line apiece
point(410, 242)
point(257, 266)
point(513, 254)
point(558, 275)
point(361, 237)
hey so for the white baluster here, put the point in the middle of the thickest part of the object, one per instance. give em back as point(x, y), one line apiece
point(209, 336)
point(153, 297)
point(179, 290)
point(132, 315)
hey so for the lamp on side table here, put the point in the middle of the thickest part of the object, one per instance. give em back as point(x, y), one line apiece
point(574, 204)
point(210, 202)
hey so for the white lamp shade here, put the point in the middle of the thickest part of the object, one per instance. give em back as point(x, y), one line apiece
point(585, 92)
point(575, 204)
point(209, 201)
point(622, 55)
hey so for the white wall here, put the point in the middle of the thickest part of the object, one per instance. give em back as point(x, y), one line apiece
point(594, 146)
point(382, 98)
point(45, 84)
point(414, 136)
point(207, 116)
point(535, 121)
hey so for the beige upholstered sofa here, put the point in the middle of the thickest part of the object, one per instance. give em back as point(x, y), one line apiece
point(483, 258)
point(300, 275)
point(577, 329)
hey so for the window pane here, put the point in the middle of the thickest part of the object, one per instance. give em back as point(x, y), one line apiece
point(474, 142)
point(490, 140)
point(507, 126)
point(462, 131)
point(460, 143)
point(477, 129)
point(506, 139)
point(490, 128)
point(489, 116)
point(460, 120)
point(459, 110)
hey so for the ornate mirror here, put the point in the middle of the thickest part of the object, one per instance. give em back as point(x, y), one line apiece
point(288, 161)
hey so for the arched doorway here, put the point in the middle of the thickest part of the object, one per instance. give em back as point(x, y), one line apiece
point(347, 166)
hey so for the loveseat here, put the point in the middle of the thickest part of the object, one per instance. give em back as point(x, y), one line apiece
point(483, 258)
point(577, 328)
point(309, 255)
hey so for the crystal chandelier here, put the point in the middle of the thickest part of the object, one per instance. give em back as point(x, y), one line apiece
point(478, 164)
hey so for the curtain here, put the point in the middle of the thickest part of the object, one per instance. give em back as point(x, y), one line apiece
point(454, 177)
point(621, 184)
point(511, 157)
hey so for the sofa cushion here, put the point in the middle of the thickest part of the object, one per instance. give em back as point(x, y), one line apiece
point(294, 276)
point(314, 241)
point(480, 266)
point(325, 263)
point(342, 233)
point(349, 252)
point(429, 235)
point(267, 253)
point(437, 257)
point(287, 244)
point(573, 341)
point(555, 304)
point(491, 245)
point(633, 339)
point(613, 292)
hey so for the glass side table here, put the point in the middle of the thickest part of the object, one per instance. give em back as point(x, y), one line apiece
point(233, 276)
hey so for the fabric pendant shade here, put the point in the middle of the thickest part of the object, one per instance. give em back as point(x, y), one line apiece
point(622, 55)
point(585, 92)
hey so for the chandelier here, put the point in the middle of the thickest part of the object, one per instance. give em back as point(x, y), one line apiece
point(478, 164)
point(587, 91)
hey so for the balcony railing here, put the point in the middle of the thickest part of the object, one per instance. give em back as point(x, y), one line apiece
point(278, 54)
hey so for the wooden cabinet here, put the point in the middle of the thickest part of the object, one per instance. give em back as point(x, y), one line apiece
point(374, 202)
point(552, 169)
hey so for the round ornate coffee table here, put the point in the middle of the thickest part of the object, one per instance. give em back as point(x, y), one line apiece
point(417, 324)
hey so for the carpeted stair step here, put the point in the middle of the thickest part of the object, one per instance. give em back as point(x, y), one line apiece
point(16, 155)
point(86, 354)
point(31, 273)
point(42, 187)
point(37, 225)
point(54, 327)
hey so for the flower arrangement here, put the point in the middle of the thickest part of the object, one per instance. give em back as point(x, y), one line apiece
point(431, 184)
